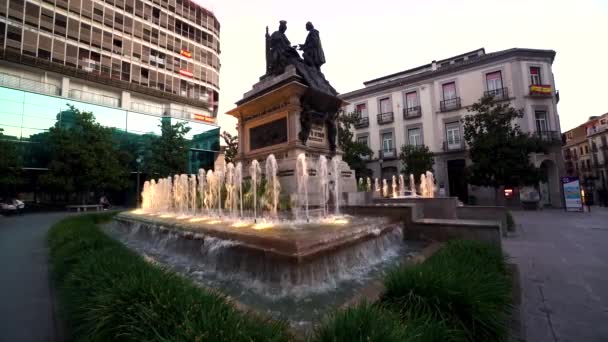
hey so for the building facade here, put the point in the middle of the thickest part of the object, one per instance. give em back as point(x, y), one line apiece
point(425, 106)
point(133, 63)
point(585, 154)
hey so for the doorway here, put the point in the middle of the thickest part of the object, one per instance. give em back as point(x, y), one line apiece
point(457, 180)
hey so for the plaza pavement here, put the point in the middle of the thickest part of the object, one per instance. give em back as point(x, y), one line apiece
point(563, 264)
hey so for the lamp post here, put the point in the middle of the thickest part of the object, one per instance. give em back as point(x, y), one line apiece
point(138, 160)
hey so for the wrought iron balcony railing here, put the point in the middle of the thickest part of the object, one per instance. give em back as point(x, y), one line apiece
point(386, 118)
point(498, 94)
point(412, 112)
point(387, 154)
point(450, 104)
point(459, 146)
point(549, 136)
point(362, 123)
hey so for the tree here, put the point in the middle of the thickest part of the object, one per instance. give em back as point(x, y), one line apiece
point(168, 153)
point(10, 165)
point(232, 146)
point(354, 151)
point(498, 149)
point(416, 160)
point(84, 157)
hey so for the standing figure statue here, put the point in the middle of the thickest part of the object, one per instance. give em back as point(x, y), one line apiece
point(313, 51)
point(280, 53)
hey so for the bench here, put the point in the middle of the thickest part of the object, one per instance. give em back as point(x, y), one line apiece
point(84, 207)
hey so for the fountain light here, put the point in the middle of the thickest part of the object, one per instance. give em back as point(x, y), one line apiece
point(182, 217)
point(240, 225)
point(214, 222)
point(137, 212)
point(198, 219)
point(167, 216)
point(262, 225)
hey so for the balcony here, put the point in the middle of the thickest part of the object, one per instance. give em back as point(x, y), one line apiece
point(552, 137)
point(541, 90)
point(455, 147)
point(412, 112)
point(11, 81)
point(147, 108)
point(386, 118)
point(450, 104)
point(362, 123)
point(94, 98)
point(387, 154)
point(500, 94)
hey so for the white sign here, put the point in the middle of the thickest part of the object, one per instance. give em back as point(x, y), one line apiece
point(572, 193)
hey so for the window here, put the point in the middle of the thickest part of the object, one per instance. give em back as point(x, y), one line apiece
point(362, 140)
point(586, 149)
point(459, 60)
point(449, 91)
point(361, 108)
point(452, 131)
point(385, 105)
point(535, 75)
point(387, 142)
point(411, 100)
point(414, 136)
point(541, 121)
point(494, 81)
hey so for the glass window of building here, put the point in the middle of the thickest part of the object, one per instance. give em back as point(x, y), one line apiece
point(414, 136)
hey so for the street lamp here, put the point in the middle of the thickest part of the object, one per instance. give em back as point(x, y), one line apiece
point(138, 160)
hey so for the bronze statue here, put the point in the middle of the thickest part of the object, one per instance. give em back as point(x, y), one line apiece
point(281, 52)
point(313, 51)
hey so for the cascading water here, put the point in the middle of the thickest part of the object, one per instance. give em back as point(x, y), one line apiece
point(238, 181)
point(384, 188)
point(369, 184)
point(412, 185)
point(394, 185)
point(430, 183)
point(183, 179)
point(219, 179)
point(273, 186)
point(193, 194)
point(230, 203)
point(254, 172)
point(302, 181)
point(210, 194)
point(322, 173)
point(401, 185)
point(201, 188)
point(423, 186)
point(336, 176)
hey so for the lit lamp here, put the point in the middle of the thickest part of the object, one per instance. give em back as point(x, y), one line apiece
point(508, 192)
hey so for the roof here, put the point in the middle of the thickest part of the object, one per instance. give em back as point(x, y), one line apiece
point(411, 78)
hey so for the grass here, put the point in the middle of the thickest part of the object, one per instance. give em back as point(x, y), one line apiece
point(465, 285)
point(109, 293)
point(510, 222)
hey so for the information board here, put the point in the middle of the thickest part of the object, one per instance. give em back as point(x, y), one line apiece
point(572, 193)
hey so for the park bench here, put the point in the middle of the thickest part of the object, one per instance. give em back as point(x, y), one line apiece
point(84, 207)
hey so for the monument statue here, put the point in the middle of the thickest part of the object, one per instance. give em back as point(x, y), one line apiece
point(313, 51)
point(281, 52)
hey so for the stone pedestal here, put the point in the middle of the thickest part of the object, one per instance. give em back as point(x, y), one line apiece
point(269, 122)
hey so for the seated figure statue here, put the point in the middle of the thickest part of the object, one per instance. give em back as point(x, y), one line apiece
point(281, 51)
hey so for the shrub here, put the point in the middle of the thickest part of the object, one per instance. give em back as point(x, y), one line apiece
point(108, 292)
point(465, 284)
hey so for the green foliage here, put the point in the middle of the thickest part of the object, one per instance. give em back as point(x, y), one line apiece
point(416, 160)
point(168, 153)
point(84, 157)
point(353, 150)
point(232, 146)
point(465, 284)
point(109, 293)
point(10, 165)
point(498, 149)
point(510, 222)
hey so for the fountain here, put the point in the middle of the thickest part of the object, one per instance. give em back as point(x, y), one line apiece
point(376, 185)
point(369, 185)
point(323, 175)
point(401, 185)
point(384, 188)
point(413, 185)
point(254, 173)
point(336, 178)
point(202, 181)
point(394, 186)
point(273, 185)
point(230, 203)
point(302, 181)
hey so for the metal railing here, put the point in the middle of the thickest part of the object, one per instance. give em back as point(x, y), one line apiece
point(147, 108)
point(412, 112)
point(549, 136)
point(453, 147)
point(450, 104)
point(385, 118)
point(94, 98)
point(362, 123)
point(498, 94)
point(11, 81)
point(389, 153)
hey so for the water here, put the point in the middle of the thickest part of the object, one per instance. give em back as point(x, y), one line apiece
point(384, 188)
point(376, 185)
point(300, 293)
point(202, 181)
point(423, 186)
point(394, 185)
point(238, 181)
point(401, 185)
point(369, 184)
point(302, 183)
point(255, 174)
point(336, 177)
point(323, 175)
point(230, 203)
point(273, 185)
point(412, 185)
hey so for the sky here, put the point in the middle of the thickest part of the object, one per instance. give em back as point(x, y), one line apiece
point(364, 40)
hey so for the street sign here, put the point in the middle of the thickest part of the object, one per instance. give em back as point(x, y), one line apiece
point(572, 193)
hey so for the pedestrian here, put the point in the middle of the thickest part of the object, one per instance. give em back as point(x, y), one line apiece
point(104, 202)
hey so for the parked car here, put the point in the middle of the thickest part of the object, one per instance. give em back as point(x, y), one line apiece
point(11, 206)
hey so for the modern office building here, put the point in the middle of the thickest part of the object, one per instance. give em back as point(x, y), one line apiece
point(132, 63)
point(585, 153)
point(425, 105)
